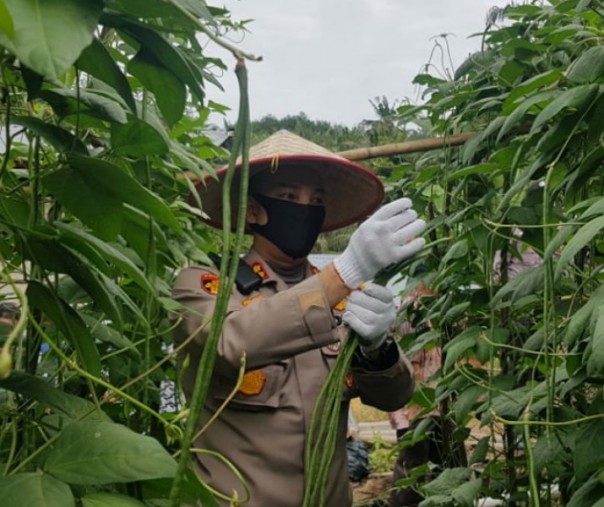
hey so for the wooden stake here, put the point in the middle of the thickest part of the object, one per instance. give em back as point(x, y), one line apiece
point(415, 146)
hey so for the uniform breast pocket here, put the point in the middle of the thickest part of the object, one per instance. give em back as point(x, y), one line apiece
point(259, 390)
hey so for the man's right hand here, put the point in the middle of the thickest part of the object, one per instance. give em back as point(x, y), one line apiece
point(385, 238)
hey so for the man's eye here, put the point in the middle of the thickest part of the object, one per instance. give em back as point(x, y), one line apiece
point(287, 196)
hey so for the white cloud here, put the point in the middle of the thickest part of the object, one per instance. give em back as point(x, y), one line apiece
point(328, 58)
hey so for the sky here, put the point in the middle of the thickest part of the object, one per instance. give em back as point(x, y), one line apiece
point(329, 58)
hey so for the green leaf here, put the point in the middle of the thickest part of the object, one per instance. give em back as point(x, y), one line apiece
point(95, 191)
point(530, 282)
point(456, 311)
point(135, 230)
point(196, 8)
point(138, 138)
point(465, 494)
point(54, 256)
point(37, 389)
point(546, 451)
point(486, 168)
point(80, 240)
point(90, 452)
point(169, 91)
point(586, 461)
point(6, 22)
point(573, 99)
point(518, 114)
point(109, 500)
point(583, 236)
point(460, 345)
point(588, 68)
point(34, 490)
point(105, 333)
point(111, 178)
point(479, 454)
point(170, 57)
point(60, 139)
point(588, 494)
point(466, 401)
point(597, 208)
point(69, 322)
point(96, 61)
point(595, 363)
point(472, 146)
point(93, 102)
point(99, 209)
point(15, 211)
point(448, 480)
point(535, 83)
point(581, 318)
point(193, 490)
point(50, 34)
point(457, 250)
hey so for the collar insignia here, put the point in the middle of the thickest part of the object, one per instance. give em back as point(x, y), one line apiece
point(258, 268)
point(209, 283)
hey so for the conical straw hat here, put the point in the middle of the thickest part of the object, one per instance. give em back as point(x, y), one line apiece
point(352, 192)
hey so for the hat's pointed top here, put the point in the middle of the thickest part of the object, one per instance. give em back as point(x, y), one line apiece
point(284, 142)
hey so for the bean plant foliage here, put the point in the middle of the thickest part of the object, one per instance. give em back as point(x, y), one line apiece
point(516, 220)
point(102, 104)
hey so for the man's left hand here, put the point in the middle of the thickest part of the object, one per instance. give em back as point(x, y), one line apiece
point(370, 312)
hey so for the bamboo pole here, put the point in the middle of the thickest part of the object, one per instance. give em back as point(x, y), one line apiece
point(415, 146)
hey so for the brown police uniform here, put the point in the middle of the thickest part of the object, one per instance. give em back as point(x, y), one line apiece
point(291, 339)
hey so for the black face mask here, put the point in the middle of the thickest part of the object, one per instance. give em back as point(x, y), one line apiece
point(292, 227)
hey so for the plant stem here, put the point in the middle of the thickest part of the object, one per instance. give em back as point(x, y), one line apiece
point(206, 364)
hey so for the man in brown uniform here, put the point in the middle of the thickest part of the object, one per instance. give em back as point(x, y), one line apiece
point(291, 325)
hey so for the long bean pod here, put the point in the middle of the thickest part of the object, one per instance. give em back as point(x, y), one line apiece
point(321, 442)
point(227, 277)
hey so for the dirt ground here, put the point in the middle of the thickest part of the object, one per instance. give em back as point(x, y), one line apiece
point(373, 491)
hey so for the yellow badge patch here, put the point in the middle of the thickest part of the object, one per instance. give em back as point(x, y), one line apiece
point(209, 283)
point(259, 269)
point(341, 306)
point(251, 299)
point(253, 383)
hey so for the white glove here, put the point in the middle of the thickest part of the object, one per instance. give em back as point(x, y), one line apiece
point(383, 239)
point(370, 312)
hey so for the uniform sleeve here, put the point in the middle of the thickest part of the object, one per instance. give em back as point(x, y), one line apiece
point(269, 330)
point(386, 389)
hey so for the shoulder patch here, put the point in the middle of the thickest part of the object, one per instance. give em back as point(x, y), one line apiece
point(209, 283)
point(253, 383)
point(258, 268)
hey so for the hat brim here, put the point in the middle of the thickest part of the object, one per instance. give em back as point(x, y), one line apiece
point(352, 192)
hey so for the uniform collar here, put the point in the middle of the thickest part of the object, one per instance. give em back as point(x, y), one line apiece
point(260, 266)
